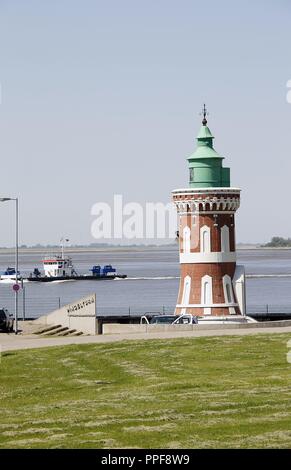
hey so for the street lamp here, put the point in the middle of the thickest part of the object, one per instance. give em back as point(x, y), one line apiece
point(4, 199)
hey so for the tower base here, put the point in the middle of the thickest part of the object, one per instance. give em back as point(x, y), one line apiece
point(225, 320)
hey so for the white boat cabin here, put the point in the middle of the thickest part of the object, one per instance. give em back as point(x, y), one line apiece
point(58, 266)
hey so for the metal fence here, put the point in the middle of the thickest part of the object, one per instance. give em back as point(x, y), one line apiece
point(29, 305)
point(269, 309)
point(135, 310)
point(32, 305)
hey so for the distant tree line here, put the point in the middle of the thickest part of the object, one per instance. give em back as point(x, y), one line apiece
point(93, 245)
point(71, 245)
point(279, 242)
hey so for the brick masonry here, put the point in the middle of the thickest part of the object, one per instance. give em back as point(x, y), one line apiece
point(215, 216)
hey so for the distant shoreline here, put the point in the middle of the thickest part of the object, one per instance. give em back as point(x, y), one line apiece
point(126, 249)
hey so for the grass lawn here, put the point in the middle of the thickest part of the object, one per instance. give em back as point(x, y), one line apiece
point(214, 392)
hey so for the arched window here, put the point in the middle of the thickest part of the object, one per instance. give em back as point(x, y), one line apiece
point(206, 294)
point(186, 293)
point(186, 239)
point(225, 239)
point(228, 293)
point(205, 243)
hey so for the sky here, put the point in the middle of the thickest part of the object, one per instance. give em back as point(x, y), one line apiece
point(103, 97)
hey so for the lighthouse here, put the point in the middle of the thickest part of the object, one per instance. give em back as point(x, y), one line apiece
point(211, 283)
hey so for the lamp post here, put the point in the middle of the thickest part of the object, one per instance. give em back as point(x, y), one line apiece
point(16, 286)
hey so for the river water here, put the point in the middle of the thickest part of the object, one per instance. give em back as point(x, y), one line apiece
point(152, 283)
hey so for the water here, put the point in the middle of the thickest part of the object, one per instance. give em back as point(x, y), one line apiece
point(152, 283)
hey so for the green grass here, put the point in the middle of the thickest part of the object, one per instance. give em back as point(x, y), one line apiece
point(185, 393)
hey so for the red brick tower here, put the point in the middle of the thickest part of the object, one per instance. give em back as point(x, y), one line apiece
point(211, 283)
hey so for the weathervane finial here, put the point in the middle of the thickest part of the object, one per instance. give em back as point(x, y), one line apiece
point(205, 113)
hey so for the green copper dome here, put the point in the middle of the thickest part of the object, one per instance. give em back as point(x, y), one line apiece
point(205, 164)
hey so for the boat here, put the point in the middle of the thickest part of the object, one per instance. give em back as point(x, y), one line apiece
point(9, 275)
point(60, 268)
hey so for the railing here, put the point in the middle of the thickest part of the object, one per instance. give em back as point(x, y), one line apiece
point(269, 312)
point(32, 305)
point(138, 310)
point(269, 309)
point(28, 305)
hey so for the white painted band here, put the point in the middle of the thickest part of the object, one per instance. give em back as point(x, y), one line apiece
point(214, 257)
point(205, 305)
point(207, 190)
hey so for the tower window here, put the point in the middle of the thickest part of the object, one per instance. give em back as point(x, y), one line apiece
point(186, 239)
point(191, 174)
point(206, 294)
point(205, 243)
point(225, 248)
point(186, 293)
point(228, 292)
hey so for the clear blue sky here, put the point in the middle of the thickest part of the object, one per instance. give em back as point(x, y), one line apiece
point(103, 97)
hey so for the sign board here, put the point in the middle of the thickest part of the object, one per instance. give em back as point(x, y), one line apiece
point(79, 316)
point(84, 307)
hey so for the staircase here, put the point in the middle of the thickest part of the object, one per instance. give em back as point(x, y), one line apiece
point(56, 331)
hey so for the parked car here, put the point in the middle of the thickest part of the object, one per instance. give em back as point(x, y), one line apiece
point(6, 320)
point(185, 319)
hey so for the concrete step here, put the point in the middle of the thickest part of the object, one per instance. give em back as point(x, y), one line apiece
point(68, 332)
point(56, 331)
point(73, 333)
point(77, 333)
point(46, 329)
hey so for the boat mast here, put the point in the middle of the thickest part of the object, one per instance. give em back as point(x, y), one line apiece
point(63, 240)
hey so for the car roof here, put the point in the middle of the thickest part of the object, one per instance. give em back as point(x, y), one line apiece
point(165, 316)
